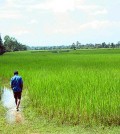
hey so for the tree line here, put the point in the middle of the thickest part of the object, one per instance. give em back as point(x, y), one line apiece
point(78, 45)
point(10, 44)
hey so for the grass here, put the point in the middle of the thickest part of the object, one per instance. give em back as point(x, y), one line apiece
point(79, 87)
point(35, 124)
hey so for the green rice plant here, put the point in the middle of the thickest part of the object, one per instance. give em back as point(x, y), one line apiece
point(76, 87)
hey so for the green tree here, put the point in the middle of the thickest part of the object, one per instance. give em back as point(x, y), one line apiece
point(2, 48)
point(103, 45)
point(118, 44)
point(78, 44)
point(73, 46)
point(11, 44)
point(112, 45)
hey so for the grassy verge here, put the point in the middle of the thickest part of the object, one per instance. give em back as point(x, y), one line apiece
point(36, 125)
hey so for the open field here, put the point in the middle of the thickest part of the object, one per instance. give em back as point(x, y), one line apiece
point(76, 87)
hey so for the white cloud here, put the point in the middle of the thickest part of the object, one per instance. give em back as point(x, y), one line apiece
point(8, 10)
point(34, 21)
point(95, 25)
point(92, 9)
point(100, 12)
point(75, 28)
point(9, 15)
point(20, 2)
point(87, 8)
point(58, 17)
point(62, 6)
point(20, 31)
point(56, 5)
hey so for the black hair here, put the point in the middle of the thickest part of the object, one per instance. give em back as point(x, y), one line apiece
point(16, 72)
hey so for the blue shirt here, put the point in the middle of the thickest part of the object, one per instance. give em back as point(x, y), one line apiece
point(16, 83)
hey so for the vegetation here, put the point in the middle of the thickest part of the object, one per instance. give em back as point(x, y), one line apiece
point(36, 125)
point(11, 44)
point(78, 45)
point(79, 87)
point(2, 48)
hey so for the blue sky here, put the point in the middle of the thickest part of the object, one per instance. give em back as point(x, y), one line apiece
point(60, 22)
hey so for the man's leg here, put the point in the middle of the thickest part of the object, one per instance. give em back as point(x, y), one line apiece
point(18, 103)
point(18, 100)
point(15, 96)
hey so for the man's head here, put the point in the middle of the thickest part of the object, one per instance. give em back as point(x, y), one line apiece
point(16, 73)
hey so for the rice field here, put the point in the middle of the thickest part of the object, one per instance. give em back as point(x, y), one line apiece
point(73, 87)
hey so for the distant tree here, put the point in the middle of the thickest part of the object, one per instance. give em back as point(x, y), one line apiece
point(112, 45)
point(108, 45)
point(103, 45)
point(118, 44)
point(78, 44)
point(73, 46)
point(2, 48)
point(90, 45)
point(8, 43)
point(11, 44)
point(97, 45)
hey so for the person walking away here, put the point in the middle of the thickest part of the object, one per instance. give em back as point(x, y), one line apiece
point(17, 87)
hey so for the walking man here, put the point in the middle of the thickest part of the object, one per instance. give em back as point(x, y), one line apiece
point(17, 87)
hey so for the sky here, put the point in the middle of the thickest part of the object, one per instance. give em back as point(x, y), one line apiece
point(60, 22)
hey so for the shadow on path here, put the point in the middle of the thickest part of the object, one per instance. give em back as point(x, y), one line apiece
point(12, 116)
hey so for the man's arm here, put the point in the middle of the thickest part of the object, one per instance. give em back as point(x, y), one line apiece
point(21, 83)
point(11, 83)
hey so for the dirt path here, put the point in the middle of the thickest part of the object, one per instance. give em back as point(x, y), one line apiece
point(12, 116)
